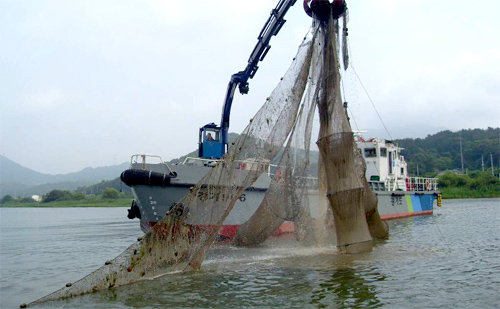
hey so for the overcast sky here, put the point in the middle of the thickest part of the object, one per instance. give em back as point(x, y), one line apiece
point(89, 83)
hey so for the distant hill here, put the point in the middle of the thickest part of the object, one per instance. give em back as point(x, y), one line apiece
point(18, 180)
point(24, 190)
point(98, 188)
point(441, 151)
point(432, 154)
point(12, 172)
point(436, 152)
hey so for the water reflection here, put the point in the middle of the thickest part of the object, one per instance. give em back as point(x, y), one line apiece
point(425, 261)
point(348, 287)
point(325, 280)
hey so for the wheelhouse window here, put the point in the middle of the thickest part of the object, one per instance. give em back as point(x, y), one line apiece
point(383, 152)
point(212, 135)
point(370, 152)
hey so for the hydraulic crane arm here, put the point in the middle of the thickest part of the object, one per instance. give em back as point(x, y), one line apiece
point(240, 79)
point(214, 148)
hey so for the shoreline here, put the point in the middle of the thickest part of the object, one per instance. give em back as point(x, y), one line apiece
point(127, 202)
point(461, 193)
point(122, 202)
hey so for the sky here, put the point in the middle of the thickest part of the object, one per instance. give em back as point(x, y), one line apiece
point(89, 83)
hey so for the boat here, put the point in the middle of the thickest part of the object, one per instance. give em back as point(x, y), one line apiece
point(158, 186)
point(398, 194)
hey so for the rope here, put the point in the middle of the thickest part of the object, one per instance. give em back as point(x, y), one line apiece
point(366, 92)
point(344, 95)
point(352, 114)
point(370, 99)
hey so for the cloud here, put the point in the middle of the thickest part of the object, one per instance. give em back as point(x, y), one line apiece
point(122, 77)
point(185, 13)
point(43, 100)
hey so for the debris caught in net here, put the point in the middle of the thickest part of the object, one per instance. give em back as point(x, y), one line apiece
point(324, 200)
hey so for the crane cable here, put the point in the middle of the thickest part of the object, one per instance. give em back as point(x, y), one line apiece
point(345, 100)
point(369, 98)
point(367, 94)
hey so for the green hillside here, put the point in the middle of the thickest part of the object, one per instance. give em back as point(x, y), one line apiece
point(441, 151)
point(98, 188)
point(431, 155)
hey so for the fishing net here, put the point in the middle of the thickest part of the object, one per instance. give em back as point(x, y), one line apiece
point(275, 151)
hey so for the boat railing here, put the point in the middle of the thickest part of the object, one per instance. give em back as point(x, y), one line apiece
point(278, 173)
point(311, 182)
point(419, 184)
point(391, 184)
point(204, 161)
point(144, 159)
point(422, 184)
point(247, 164)
point(272, 170)
point(377, 185)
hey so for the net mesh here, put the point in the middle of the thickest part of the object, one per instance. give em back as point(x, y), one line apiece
point(322, 200)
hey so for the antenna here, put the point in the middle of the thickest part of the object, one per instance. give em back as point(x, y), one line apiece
point(491, 158)
point(461, 152)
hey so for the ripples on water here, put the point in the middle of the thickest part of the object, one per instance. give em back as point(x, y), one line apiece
point(449, 260)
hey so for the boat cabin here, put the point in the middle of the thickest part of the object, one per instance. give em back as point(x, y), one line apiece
point(386, 169)
point(210, 143)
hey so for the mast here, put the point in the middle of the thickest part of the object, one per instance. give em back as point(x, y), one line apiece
point(461, 152)
point(491, 158)
point(482, 163)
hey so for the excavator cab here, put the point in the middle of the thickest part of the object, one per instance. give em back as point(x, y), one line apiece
point(210, 143)
point(213, 139)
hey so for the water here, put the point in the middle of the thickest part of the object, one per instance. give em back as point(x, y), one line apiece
point(448, 260)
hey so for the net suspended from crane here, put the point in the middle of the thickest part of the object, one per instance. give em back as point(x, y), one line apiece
point(324, 199)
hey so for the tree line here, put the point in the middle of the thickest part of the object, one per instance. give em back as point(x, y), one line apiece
point(432, 156)
point(444, 151)
point(64, 195)
point(470, 185)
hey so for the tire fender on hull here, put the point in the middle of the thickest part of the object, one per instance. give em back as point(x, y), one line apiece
point(133, 177)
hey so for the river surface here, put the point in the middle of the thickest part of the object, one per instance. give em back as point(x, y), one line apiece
point(448, 260)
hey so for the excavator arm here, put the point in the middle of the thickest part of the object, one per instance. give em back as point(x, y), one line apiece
point(240, 79)
point(213, 139)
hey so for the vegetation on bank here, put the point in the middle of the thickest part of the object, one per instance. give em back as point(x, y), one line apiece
point(473, 152)
point(427, 157)
point(98, 188)
point(458, 193)
point(109, 197)
point(474, 184)
point(88, 202)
